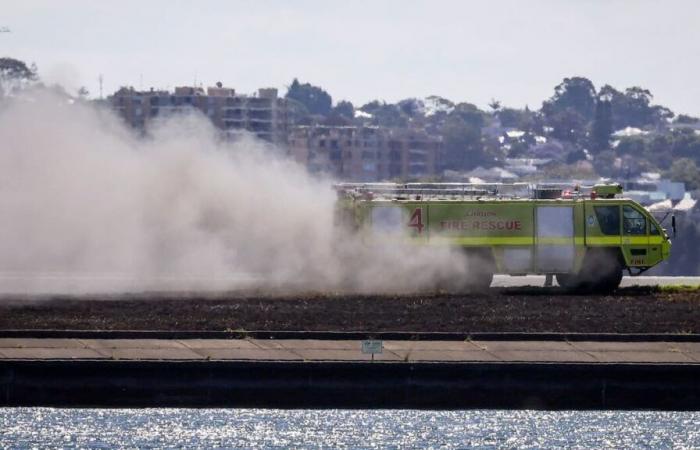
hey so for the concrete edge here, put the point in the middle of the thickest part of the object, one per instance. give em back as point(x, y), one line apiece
point(346, 335)
point(349, 362)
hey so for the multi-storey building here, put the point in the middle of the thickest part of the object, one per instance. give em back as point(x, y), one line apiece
point(411, 154)
point(355, 153)
point(264, 114)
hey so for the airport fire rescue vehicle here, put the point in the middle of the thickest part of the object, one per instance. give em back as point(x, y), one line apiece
point(584, 236)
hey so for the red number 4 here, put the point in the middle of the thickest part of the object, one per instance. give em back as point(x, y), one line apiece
point(416, 220)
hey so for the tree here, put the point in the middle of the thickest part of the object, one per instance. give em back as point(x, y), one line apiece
point(315, 99)
point(685, 143)
point(411, 107)
point(522, 119)
point(685, 170)
point(633, 145)
point(345, 109)
point(568, 125)
point(686, 119)
point(575, 156)
point(15, 75)
point(298, 112)
point(658, 152)
point(469, 113)
point(83, 93)
point(577, 94)
point(602, 126)
point(605, 164)
point(385, 114)
point(462, 145)
point(633, 108)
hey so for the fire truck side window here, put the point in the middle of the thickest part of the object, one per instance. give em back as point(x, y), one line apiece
point(609, 219)
point(653, 229)
point(633, 222)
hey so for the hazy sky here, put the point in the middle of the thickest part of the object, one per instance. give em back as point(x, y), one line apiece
point(514, 51)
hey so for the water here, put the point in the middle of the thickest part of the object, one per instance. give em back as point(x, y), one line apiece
point(257, 428)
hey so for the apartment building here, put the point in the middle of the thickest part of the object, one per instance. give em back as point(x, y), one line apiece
point(265, 114)
point(411, 154)
point(361, 153)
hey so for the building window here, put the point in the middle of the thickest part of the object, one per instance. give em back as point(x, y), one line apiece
point(368, 155)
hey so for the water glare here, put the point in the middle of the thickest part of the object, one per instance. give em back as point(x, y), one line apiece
point(258, 428)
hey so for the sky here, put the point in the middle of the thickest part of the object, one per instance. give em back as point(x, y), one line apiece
point(475, 51)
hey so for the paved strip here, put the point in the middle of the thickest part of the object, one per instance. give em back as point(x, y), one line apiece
point(42, 283)
point(627, 281)
point(349, 350)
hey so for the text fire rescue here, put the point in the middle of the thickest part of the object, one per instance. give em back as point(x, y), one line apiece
point(478, 221)
point(483, 224)
point(506, 225)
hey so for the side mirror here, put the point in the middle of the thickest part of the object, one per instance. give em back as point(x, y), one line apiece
point(673, 225)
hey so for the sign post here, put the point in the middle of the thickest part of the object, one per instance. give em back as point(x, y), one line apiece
point(372, 346)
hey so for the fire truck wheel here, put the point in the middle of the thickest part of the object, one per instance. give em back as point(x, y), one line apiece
point(610, 280)
point(567, 280)
point(481, 267)
point(601, 272)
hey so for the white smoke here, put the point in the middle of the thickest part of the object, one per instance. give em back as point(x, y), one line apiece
point(82, 194)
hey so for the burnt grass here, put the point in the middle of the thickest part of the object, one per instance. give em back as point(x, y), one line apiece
point(630, 310)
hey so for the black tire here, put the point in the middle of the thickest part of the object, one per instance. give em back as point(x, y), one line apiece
point(611, 278)
point(567, 280)
point(601, 273)
point(480, 266)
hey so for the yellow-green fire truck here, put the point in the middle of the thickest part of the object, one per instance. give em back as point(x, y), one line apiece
point(585, 236)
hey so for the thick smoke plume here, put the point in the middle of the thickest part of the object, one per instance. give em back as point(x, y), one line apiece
point(82, 194)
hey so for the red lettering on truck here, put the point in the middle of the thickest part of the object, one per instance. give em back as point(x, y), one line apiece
point(416, 220)
point(497, 225)
point(481, 225)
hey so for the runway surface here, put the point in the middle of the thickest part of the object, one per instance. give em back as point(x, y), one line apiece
point(71, 283)
point(538, 280)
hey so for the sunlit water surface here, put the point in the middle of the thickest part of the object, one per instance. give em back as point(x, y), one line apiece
point(258, 428)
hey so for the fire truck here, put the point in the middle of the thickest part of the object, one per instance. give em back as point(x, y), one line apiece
point(585, 236)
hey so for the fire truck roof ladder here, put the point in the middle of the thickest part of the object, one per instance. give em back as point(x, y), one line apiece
point(472, 190)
